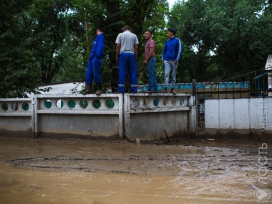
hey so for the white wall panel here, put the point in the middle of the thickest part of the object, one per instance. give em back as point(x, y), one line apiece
point(241, 113)
point(211, 113)
point(226, 114)
point(252, 113)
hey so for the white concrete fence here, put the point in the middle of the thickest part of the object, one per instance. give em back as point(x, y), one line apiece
point(239, 118)
point(17, 117)
point(150, 117)
point(109, 116)
point(143, 116)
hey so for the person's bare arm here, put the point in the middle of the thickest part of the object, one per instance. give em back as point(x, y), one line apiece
point(117, 50)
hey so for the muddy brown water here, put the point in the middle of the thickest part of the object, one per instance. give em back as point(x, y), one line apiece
point(119, 172)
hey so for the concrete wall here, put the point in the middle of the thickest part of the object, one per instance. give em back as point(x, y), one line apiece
point(239, 118)
point(17, 117)
point(109, 116)
point(143, 116)
point(152, 117)
point(78, 116)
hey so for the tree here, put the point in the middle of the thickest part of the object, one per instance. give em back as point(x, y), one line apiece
point(32, 35)
point(228, 37)
point(187, 18)
point(17, 59)
point(50, 28)
point(239, 32)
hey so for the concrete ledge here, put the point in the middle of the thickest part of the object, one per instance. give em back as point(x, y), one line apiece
point(238, 134)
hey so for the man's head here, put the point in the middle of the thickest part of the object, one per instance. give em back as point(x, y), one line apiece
point(99, 30)
point(171, 32)
point(148, 34)
point(126, 27)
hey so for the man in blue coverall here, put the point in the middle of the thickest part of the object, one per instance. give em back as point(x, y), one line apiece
point(94, 63)
point(126, 56)
point(171, 53)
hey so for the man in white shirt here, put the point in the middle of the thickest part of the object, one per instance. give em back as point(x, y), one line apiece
point(126, 56)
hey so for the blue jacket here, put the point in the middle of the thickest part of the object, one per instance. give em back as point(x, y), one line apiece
point(98, 47)
point(172, 49)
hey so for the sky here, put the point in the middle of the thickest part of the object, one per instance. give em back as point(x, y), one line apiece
point(171, 2)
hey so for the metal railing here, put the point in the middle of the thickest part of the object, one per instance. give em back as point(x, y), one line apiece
point(251, 84)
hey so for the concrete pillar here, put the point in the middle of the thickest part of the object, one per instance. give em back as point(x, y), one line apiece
point(194, 87)
point(270, 82)
point(268, 68)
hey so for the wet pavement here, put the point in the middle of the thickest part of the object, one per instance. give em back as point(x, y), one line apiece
point(120, 172)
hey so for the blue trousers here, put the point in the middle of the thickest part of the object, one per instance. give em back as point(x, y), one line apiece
point(152, 80)
point(127, 63)
point(93, 71)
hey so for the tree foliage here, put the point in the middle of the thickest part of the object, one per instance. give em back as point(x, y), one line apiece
point(14, 42)
point(49, 41)
point(32, 33)
point(229, 37)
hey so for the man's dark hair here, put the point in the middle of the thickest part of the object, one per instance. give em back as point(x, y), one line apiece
point(126, 27)
point(100, 28)
point(172, 30)
point(149, 32)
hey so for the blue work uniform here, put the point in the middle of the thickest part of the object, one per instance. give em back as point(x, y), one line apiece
point(127, 60)
point(95, 60)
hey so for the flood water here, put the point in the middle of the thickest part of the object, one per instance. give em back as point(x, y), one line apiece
point(120, 172)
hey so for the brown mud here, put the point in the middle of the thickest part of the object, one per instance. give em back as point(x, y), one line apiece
point(120, 172)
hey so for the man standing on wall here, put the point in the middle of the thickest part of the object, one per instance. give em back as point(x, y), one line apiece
point(171, 53)
point(150, 62)
point(94, 63)
point(126, 56)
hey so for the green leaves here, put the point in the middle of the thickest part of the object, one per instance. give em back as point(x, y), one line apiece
point(49, 41)
point(235, 32)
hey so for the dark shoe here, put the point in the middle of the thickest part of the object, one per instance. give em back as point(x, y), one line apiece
point(98, 92)
point(88, 89)
point(173, 91)
point(86, 92)
point(164, 91)
point(154, 91)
